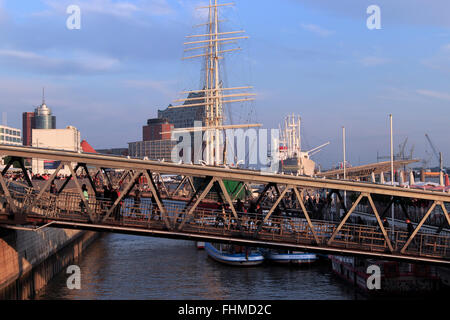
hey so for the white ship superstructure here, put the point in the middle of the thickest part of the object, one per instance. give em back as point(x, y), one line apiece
point(292, 159)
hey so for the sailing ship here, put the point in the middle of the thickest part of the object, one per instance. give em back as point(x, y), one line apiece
point(211, 47)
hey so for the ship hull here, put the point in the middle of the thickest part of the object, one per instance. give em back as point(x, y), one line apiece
point(299, 166)
point(234, 259)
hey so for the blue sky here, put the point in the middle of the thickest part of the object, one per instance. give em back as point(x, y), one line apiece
point(315, 58)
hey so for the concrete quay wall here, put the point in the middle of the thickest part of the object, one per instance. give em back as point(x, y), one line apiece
point(30, 259)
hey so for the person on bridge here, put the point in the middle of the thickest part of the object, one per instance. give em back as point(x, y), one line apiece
point(239, 206)
point(137, 201)
point(259, 209)
point(409, 227)
point(220, 221)
point(53, 189)
point(86, 197)
point(385, 223)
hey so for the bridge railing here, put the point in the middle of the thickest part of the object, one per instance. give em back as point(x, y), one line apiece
point(284, 229)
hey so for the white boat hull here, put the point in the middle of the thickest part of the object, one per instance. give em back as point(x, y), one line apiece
point(242, 260)
point(298, 258)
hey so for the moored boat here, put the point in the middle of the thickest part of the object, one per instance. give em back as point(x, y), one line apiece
point(234, 255)
point(290, 257)
point(395, 278)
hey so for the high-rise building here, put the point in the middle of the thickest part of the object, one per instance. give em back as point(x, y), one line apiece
point(41, 118)
point(27, 127)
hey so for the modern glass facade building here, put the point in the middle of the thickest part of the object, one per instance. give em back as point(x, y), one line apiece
point(41, 118)
point(185, 117)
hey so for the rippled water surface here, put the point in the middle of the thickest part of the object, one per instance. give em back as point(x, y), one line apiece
point(129, 267)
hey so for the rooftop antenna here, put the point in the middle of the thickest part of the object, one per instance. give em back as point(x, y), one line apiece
point(43, 95)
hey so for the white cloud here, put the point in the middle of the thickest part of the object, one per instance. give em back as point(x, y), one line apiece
point(18, 54)
point(397, 94)
point(317, 30)
point(81, 62)
point(434, 94)
point(123, 9)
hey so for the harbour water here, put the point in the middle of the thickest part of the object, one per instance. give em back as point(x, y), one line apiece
point(128, 267)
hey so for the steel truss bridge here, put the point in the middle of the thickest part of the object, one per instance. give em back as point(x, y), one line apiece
point(285, 223)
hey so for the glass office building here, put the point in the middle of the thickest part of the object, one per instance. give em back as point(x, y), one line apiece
point(43, 118)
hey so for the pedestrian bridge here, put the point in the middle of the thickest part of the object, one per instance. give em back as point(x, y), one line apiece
point(184, 209)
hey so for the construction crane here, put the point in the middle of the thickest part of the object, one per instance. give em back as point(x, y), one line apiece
point(401, 154)
point(437, 154)
point(402, 146)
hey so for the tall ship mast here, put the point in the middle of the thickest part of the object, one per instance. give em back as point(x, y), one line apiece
point(212, 46)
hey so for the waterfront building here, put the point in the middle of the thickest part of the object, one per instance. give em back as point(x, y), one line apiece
point(185, 117)
point(157, 129)
point(152, 150)
point(157, 141)
point(58, 139)
point(9, 135)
